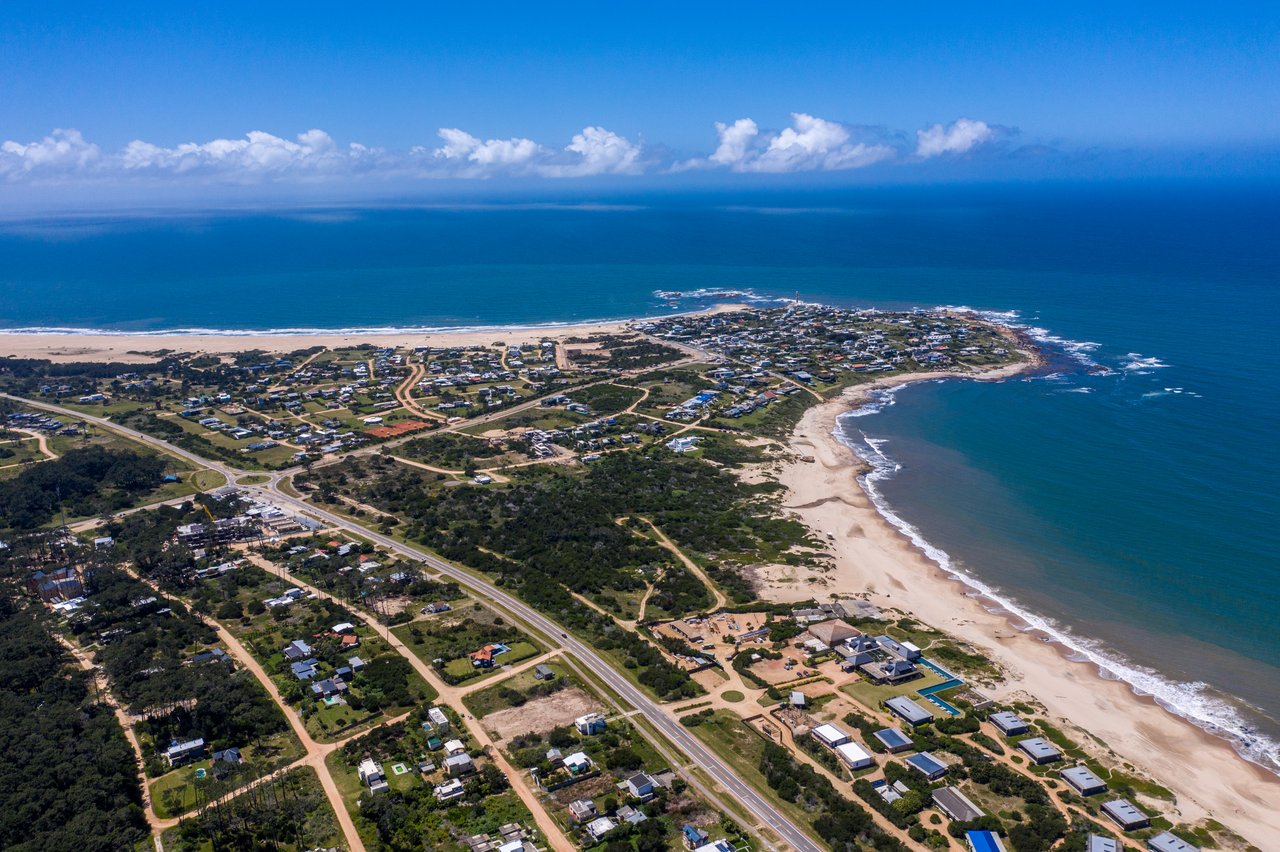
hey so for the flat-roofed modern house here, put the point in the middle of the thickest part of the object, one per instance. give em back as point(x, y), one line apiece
point(1098, 843)
point(1040, 750)
point(983, 841)
point(1009, 724)
point(955, 804)
point(179, 753)
point(905, 650)
point(928, 765)
point(1167, 842)
point(893, 739)
point(908, 711)
point(854, 756)
point(1126, 815)
point(830, 735)
point(1083, 781)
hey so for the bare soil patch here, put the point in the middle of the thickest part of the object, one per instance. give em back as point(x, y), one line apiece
point(540, 714)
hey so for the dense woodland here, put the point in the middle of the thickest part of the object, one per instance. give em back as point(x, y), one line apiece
point(287, 812)
point(83, 482)
point(144, 644)
point(68, 778)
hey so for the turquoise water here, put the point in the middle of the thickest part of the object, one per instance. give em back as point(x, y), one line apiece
point(1135, 513)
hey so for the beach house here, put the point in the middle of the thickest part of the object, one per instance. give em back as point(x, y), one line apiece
point(1040, 750)
point(908, 711)
point(1083, 781)
point(1125, 815)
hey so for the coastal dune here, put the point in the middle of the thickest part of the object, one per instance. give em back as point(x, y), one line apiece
point(872, 556)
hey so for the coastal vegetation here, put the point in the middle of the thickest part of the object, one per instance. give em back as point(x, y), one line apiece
point(83, 482)
point(55, 727)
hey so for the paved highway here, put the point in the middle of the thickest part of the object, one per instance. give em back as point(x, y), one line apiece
point(703, 757)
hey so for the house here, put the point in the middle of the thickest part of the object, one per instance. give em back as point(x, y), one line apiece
point(890, 671)
point(1083, 781)
point(459, 764)
point(454, 747)
point(350, 641)
point(628, 814)
point(600, 826)
point(830, 735)
point(1009, 724)
point(1039, 750)
point(327, 688)
point(955, 804)
point(482, 479)
point(639, 785)
point(797, 698)
point(908, 711)
point(439, 721)
point(179, 753)
point(357, 664)
point(583, 810)
point(304, 669)
point(833, 632)
point(228, 755)
point(1168, 842)
point(217, 655)
point(592, 723)
point(577, 763)
point(1125, 815)
point(928, 765)
point(893, 740)
point(905, 650)
point(297, 650)
point(854, 756)
point(543, 672)
point(450, 789)
point(693, 836)
point(716, 846)
point(483, 658)
point(983, 841)
point(1098, 843)
point(344, 627)
point(371, 774)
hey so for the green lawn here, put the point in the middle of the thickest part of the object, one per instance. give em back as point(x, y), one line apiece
point(869, 695)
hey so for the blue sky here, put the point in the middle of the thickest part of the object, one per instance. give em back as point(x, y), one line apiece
point(520, 86)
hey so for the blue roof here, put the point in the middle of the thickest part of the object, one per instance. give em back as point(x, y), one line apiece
point(892, 737)
point(926, 764)
point(983, 841)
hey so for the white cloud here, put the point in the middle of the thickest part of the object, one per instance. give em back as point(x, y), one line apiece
point(735, 139)
point(484, 158)
point(810, 144)
point(60, 152)
point(255, 156)
point(961, 136)
point(596, 151)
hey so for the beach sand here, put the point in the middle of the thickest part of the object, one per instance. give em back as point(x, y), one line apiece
point(126, 348)
point(872, 556)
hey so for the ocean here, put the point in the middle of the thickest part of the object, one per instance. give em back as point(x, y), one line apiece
point(1134, 514)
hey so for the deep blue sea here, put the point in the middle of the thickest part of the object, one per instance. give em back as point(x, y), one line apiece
point(1136, 514)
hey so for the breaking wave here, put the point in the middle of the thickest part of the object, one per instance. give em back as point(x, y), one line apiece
point(1080, 351)
point(1194, 701)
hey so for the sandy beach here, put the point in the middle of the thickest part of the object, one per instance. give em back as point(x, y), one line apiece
point(871, 556)
point(130, 348)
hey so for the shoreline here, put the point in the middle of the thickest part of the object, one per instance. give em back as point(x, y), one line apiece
point(871, 555)
point(128, 347)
